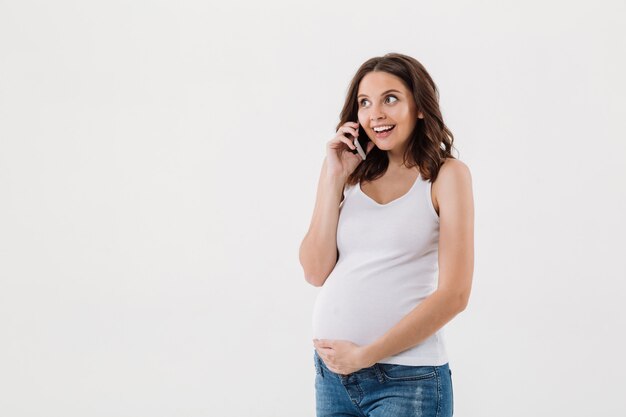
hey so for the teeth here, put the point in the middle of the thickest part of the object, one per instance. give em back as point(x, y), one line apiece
point(382, 128)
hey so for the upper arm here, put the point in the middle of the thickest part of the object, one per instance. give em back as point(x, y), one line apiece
point(456, 228)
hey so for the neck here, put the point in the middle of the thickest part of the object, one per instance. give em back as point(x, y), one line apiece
point(396, 159)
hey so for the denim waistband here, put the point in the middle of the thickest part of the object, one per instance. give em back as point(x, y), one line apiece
point(376, 371)
point(373, 371)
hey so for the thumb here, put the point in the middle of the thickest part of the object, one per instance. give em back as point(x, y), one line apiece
point(370, 146)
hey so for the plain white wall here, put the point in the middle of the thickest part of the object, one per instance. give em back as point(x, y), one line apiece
point(158, 169)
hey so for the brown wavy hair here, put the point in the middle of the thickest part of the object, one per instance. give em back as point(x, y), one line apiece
point(431, 141)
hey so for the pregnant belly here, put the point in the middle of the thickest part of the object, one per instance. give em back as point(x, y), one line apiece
point(358, 312)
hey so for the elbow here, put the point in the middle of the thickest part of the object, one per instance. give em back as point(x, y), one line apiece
point(462, 305)
point(462, 300)
point(314, 280)
point(456, 300)
point(314, 274)
point(317, 276)
point(455, 295)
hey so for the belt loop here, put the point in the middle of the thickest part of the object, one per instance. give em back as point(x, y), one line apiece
point(379, 373)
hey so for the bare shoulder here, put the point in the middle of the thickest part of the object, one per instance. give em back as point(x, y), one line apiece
point(454, 177)
point(454, 168)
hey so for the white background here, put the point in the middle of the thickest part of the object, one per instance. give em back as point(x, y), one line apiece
point(158, 170)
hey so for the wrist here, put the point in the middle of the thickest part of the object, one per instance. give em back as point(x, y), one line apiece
point(335, 179)
point(371, 354)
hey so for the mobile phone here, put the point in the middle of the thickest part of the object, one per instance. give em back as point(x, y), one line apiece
point(360, 143)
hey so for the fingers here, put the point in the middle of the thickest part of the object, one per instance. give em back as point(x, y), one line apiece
point(343, 138)
point(336, 369)
point(340, 138)
point(329, 361)
point(322, 343)
point(353, 130)
point(347, 141)
point(341, 150)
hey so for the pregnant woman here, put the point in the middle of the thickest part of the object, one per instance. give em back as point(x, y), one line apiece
point(391, 244)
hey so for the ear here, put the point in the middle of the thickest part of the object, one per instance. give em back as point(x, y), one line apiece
point(420, 115)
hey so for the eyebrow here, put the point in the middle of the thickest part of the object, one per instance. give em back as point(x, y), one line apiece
point(388, 91)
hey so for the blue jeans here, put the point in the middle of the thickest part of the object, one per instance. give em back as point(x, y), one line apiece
point(384, 390)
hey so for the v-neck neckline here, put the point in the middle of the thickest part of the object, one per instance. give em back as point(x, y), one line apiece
point(394, 200)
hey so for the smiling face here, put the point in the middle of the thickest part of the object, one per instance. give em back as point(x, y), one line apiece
point(383, 101)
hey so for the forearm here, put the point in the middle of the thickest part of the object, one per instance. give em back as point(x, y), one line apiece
point(323, 228)
point(421, 322)
point(318, 251)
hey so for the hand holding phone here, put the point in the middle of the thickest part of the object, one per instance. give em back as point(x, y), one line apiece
point(361, 143)
point(349, 138)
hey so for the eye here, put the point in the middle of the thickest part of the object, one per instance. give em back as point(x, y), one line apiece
point(388, 97)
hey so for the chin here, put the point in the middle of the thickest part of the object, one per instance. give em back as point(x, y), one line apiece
point(384, 146)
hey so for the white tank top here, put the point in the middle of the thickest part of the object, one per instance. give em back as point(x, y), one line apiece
point(388, 264)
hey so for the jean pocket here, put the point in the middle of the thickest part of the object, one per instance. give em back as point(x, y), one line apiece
point(406, 373)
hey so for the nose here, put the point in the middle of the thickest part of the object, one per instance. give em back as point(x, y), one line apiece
point(376, 113)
